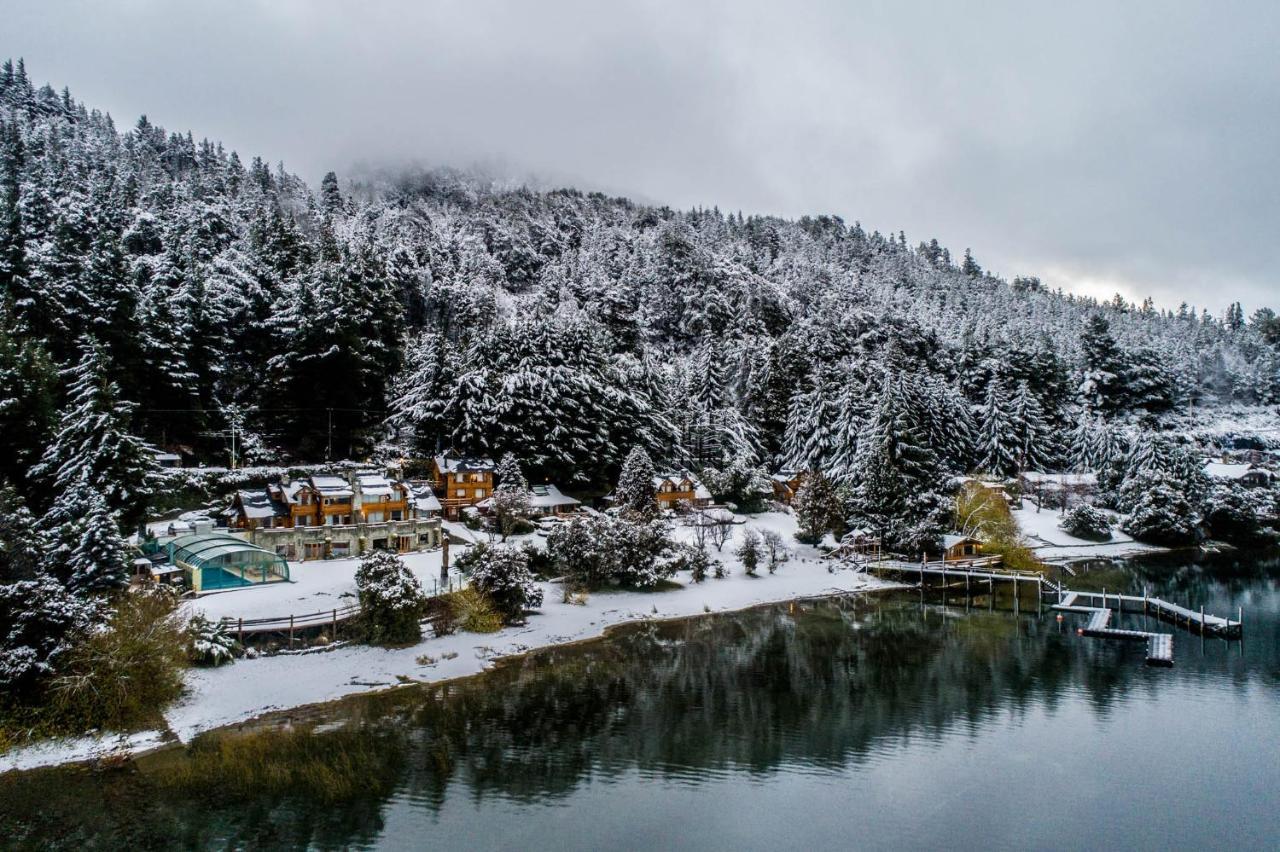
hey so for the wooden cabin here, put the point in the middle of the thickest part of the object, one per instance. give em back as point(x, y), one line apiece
point(464, 481)
point(672, 488)
point(956, 547)
point(786, 483)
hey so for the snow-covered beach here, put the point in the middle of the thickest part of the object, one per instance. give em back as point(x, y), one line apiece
point(253, 687)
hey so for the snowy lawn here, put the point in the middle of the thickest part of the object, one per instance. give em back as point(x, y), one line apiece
point(1049, 540)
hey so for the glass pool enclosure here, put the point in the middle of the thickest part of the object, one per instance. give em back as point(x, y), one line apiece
point(216, 561)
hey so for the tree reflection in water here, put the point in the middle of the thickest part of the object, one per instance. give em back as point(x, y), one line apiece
point(815, 685)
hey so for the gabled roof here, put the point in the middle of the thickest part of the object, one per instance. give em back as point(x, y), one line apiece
point(332, 486)
point(424, 498)
point(257, 505)
point(549, 496)
point(449, 463)
point(950, 540)
point(374, 485)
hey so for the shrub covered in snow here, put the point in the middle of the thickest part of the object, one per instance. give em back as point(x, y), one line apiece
point(502, 575)
point(1160, 512)
point(391, 598)
point(1085, 521)
point(1231, 515)
point(209, 642)
point(599, 550)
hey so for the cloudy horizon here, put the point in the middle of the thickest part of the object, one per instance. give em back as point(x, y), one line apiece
point(1103, 150)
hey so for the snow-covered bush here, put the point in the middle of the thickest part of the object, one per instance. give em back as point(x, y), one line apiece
point(502, 575)
point(1085, 521)
point(391, 599)
point(1160, 513)
point(600, 549)
point(209, 642)
point(1230, 514)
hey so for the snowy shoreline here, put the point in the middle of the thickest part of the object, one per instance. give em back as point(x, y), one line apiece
point(252, 688)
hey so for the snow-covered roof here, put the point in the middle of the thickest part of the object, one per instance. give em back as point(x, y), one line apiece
point(548, 497)
point(700, 491)
point(785, 475)
point(257, 505)
point(463, 464)
point(1233, 470)
point(427, 501)
point(950, 540)
point(166, 457)
point(332, 486)
point(374, 485)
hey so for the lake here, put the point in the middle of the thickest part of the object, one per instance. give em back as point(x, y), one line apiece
point(888, 721)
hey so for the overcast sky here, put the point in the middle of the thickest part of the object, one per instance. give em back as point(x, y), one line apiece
point(1123, 146)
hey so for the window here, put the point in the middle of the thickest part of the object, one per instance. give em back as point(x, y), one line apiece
point(462, 493)
point(313, 551)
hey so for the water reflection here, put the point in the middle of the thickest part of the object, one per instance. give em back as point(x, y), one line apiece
point(814, 697)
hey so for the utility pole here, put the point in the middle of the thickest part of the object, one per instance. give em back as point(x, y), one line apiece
point(328, 450)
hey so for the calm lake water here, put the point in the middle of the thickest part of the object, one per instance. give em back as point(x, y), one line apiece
point(887, 722)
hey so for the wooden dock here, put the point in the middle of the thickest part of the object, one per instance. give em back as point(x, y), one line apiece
point(1200, 622)
point(986, 572)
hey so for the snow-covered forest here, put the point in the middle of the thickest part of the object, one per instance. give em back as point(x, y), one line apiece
point(159, 292)
point(408, 312)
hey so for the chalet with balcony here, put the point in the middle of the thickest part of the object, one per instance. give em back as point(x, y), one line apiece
point(464, 481)
point(672, 488)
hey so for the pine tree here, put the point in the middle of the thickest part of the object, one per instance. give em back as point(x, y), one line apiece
point(93, 449)
point(511, 497)
point(1031, 433)
point(998, 438)
point(818, 508)
point(38, 615)
point(635, 494)
point(1100, 387)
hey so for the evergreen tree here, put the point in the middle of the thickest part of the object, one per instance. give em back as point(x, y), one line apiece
point(999, 435)
point(635, 494)
point(1100, 386)
point(93, 449)
point(818, 508)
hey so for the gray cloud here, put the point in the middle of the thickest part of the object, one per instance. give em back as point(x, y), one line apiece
point(1102, 146)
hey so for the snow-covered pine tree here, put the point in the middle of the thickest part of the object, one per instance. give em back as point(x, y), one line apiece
point(635, 494)
point(511, 496)
point(38, 615)
point(94, 449)
point(998, 443)
point(1031, 433)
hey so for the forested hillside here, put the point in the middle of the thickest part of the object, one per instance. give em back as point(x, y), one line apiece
point(403, 313)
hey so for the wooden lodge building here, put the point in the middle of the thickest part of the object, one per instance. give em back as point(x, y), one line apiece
point(672, 488)
point(462, 481)
point(327, 515)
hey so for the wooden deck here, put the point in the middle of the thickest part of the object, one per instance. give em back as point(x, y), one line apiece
point(986, 572)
